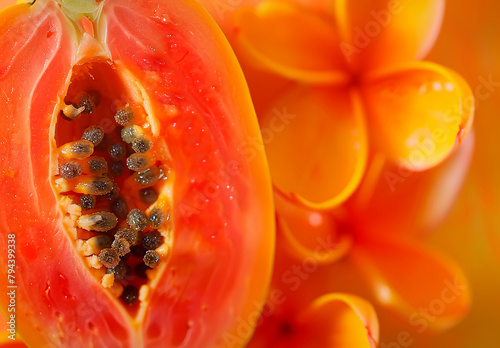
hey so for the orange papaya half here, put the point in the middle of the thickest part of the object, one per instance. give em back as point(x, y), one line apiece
point(136, 205)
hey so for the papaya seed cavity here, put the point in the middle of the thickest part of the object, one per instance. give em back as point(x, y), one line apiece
point(108, 180)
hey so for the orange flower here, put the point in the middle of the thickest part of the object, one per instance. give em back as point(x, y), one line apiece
point(338, 73)
point(299, 314)
point(357, 132)
point(364, 251)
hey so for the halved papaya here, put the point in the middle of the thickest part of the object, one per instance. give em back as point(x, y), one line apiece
point(136, 213)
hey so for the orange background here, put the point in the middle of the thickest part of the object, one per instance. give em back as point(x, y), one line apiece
point(470, 44)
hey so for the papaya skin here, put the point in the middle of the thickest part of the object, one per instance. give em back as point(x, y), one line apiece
point(222, 254)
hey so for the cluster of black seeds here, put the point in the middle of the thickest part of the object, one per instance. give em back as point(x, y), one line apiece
point(93, 178)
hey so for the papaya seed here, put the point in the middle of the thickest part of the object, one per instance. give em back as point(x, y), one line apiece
point(141, 145)
point(137, 220)
point(98, 165)
point(138, 162)
point(124, 116)
point(87, 202)
point(79, 149)
point(151, 258)
point(148, 195)
point(94, 134)
point(109, 257)
point(117, 151)
point(131, 236)
point(71, 113)
point(99, 222)
point(121, 246)
point(149, 176)
point(157, 217)
point(120, 271)
point(130, 295)
point(131, 133)
point(70, 170)
point(152, 240)
point(119, 208)
point(95, 185)
point(90, 100)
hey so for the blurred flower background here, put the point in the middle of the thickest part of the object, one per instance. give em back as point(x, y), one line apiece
point(420, 204)
point(469, 43)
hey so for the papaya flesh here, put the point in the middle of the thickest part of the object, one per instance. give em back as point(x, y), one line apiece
point(139, 213)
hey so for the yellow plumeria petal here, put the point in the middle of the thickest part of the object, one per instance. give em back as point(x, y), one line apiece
point(433, 194)
point(420, 285)
point(333, 320)
point(310, 234)
point(290, 40)
point(418, 112)
point(378, 33)
point(316, 145)
point(338, 320)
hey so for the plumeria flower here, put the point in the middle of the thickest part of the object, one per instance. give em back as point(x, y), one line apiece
point(298, 313)
point(352, 250)
point(357, 131)
point(353, 88)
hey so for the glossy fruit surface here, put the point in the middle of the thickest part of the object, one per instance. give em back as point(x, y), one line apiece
point(68, 66)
